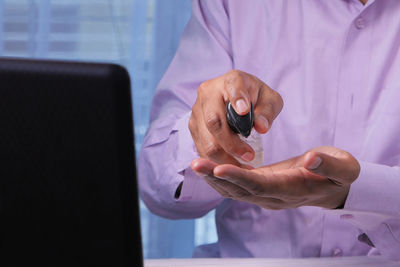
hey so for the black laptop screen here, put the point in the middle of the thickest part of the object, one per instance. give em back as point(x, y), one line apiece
point(68, 194)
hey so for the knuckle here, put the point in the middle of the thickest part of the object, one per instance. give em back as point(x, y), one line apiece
point(352, 167)
point(214, 122)
point(278, 99)
point(270, 106)
point(236, 84)
point(356, 171)
point(268, 111)
point(346, 155)
point(233, 74)
point(192, 124)
point(213, 151)
point(308, 153)
point(202, 88)
point(276, 103)
point(272, 99)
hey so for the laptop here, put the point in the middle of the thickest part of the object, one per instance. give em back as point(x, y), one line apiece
point(68, 192)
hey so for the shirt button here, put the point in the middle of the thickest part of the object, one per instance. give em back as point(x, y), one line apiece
point(360, 23)
point(337, 252)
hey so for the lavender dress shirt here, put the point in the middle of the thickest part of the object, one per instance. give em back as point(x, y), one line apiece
point(336, 64)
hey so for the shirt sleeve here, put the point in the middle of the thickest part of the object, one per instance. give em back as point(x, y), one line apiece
point(373, 206)
point(168, 149)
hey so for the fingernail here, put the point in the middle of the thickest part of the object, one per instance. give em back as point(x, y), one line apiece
point(241, 106)
point(315, 163)
point(264, 121)
point(247, 156)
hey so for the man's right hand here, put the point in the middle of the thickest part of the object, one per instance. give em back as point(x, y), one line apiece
point(210, 131)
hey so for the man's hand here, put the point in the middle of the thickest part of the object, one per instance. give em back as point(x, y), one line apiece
point(210, 131)
point(320, 177)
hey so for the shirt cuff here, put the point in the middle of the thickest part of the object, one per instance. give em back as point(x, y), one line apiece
point(372, 206)
point(382, 230)
point(194, 188)
point(375, 190)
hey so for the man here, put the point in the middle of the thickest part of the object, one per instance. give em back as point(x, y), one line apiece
point(330, 185)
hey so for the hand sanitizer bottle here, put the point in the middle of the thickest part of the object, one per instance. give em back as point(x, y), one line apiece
point(243, 125)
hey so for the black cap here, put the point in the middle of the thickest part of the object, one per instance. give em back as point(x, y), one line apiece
point(241, 124)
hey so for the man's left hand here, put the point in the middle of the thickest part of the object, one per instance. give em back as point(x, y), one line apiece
point(320, 177)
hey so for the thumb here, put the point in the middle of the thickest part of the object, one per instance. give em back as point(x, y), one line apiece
point(341, 167)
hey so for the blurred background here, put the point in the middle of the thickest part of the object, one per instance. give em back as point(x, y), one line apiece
point(141, 35)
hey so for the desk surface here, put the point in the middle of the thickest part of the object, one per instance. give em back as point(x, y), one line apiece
point(240, 262)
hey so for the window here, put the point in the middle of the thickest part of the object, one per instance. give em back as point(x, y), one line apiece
point(120, 31)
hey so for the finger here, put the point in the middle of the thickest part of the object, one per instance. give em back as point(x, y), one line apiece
point(206, 144)
point(285, 164)
point(214, 116)
point(266, 182)
point(246, 179)
point(228, 189)
point(237, 193)
point(268, 107)
point(236, 86)
point(204, 168)
point(210, 149)
point(342, 169)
